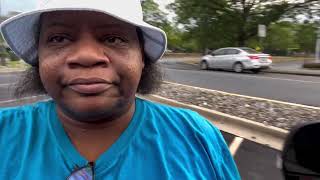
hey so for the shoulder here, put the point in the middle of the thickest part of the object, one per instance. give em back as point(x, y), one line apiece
point(24, 109)
point(181, 116)
point(22, 116)
point(185, 128)
point(191, 124)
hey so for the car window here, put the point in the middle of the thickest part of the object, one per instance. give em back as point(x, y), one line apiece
point(220, 52)
point(232, 51)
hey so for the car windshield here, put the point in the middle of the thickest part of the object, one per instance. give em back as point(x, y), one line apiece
point(250, 51)
point(255, 99)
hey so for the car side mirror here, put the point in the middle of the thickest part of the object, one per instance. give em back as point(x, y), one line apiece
point(301, 153)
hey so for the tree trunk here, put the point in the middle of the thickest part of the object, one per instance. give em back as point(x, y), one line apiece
point(241, 38)
point(3, 61)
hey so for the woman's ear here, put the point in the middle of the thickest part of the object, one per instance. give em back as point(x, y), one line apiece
point(141, 43)
point(143, 60)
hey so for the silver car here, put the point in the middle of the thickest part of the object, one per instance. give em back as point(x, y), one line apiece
point(237, 59)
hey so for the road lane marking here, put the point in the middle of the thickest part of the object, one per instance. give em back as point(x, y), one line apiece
point(257, 77)
point(293, 80)
point(235, 144)
point(244, 96)
point(7, 84)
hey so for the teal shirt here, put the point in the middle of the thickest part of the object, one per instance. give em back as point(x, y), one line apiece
point(161, 142)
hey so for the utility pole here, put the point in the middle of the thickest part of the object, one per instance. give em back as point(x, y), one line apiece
point(318, 46)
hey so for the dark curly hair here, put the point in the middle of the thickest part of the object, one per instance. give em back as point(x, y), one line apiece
point(30, 82)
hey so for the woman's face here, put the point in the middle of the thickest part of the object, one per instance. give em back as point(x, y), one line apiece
point(90, 64)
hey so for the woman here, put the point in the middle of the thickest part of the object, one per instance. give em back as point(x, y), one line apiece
point(92, 57)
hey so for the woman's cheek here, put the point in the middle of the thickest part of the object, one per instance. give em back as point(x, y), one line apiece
point(49, 74)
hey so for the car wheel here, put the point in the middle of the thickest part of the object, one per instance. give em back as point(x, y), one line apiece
point(256, 71)
point(238, 67)
point(204, 65)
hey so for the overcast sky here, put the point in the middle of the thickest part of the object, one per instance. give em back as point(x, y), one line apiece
point(25, 5)
point(163, 3)
point(16, 5)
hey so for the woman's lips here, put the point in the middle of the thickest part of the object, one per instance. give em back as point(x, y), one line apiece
point(89, 85)
point(94, 88)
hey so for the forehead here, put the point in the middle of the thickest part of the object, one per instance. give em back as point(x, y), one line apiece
point(76, 19)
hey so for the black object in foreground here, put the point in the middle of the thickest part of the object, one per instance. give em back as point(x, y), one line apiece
point(301, 153)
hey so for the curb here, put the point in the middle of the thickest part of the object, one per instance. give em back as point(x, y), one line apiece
point(291, 72)
point(257, 132)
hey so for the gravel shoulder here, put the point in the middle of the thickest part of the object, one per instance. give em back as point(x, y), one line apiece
point(276, 114)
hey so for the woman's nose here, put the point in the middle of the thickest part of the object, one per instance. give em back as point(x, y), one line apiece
point(87, 52)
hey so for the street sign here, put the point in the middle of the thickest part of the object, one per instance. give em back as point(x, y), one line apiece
point(262, 30)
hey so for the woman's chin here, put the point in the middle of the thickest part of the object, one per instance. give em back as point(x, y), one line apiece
point(94, 109)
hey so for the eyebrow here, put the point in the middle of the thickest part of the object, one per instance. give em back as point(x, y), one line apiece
point(59, 24)
point(104, 26)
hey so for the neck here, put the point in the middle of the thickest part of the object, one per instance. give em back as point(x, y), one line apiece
point(92, 139)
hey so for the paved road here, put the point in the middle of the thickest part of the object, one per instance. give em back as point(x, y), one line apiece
point(255, 162)
point(7, 81)
point(289, 88)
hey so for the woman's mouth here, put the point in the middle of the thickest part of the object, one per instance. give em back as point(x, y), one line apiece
point(89, 85)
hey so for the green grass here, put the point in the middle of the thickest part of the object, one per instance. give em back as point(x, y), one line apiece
point(16, 64)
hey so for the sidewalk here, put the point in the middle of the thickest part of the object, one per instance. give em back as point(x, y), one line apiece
point(292, 68)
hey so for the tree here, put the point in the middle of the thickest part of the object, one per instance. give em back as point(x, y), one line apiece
point(306, 37)
point(154, 16)
point(281, 38)
point(235, 20)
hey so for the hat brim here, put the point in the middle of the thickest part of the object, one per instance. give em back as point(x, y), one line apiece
point(21, 32)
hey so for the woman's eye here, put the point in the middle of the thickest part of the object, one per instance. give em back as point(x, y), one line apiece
point(113, 40)
point(58, 39)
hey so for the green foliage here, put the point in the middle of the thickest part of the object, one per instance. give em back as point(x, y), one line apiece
point(281, 37)
point(306, 37)
point(222, 23)
point(286, 37)
point(153, 15)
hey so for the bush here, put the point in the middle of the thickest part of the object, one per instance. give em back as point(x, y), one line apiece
point(11, 55)
point(312, 65)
